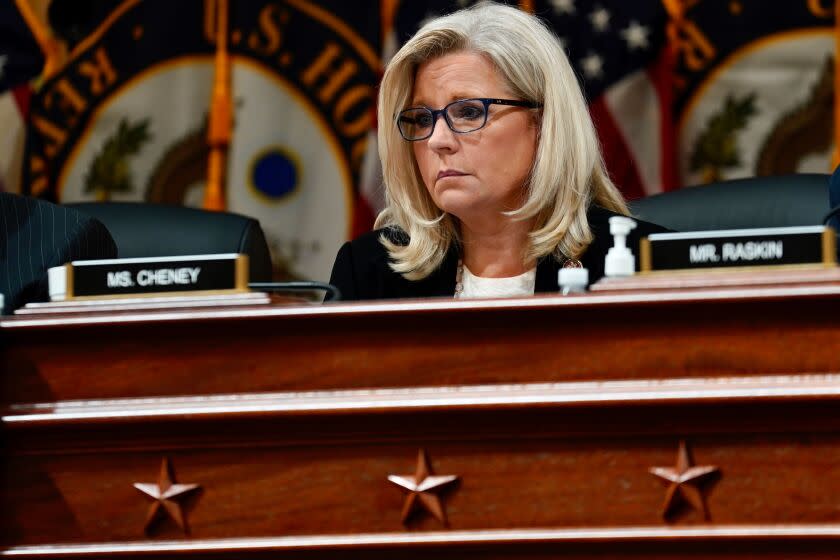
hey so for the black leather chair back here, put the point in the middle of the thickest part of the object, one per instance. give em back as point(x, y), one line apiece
point(154, 230)
point(785, 200)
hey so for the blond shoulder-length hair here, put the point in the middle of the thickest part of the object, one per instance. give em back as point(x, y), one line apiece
point(568, 172)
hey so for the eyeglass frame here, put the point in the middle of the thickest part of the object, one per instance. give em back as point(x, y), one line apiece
point(486, 101)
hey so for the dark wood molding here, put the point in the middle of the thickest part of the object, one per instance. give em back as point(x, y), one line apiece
point(726, 333)
point(550, 410)
point(784, 539)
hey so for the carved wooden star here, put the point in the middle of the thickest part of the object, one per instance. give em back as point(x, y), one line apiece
point(684, 483)
point(421, 487)
point(166, 495)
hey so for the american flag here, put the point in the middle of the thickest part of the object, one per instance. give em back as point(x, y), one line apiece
point(21, 60)
point(618, 50)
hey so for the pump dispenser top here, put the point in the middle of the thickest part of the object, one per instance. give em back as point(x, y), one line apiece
point(619, 260)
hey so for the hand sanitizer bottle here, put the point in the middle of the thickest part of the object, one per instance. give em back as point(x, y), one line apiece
point(619, 261)
point(572, 280)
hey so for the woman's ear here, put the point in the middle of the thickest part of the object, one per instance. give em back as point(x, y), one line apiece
point(537, 117)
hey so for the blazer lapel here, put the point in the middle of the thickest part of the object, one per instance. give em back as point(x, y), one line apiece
point(546, 280)
point(442, 281)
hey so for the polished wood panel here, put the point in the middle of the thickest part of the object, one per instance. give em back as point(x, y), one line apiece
point(550, 411)
point(528, 457)
point(624, 336)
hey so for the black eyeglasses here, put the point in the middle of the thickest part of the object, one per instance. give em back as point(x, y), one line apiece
point(462, 116)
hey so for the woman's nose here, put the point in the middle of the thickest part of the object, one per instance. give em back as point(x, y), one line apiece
point(442, 137)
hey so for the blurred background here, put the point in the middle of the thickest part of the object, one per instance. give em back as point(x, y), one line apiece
point(126, 101)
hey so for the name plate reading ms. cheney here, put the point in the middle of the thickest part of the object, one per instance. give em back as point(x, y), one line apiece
point(209, 274)
point(790, 246)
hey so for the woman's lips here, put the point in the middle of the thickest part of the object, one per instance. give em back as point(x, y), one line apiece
point(448, 173)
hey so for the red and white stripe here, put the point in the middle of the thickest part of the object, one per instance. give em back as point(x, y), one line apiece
point(14, 105)
point(635, 126)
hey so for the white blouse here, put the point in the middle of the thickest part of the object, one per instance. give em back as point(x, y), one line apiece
point(473, 286)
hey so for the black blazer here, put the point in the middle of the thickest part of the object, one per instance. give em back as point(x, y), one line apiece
point(361, 268)
point(37, 235)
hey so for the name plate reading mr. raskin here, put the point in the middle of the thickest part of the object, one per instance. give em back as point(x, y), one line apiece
point(153, 276)
point(806, 245)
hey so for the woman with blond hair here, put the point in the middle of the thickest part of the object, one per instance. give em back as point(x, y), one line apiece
point(492, 169)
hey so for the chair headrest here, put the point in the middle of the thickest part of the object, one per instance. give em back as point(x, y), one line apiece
point(152, 230)
point(785, 200)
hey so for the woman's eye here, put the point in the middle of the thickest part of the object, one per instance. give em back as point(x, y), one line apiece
point(469, 112)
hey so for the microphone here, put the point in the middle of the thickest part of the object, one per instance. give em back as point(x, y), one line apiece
point(333, 293)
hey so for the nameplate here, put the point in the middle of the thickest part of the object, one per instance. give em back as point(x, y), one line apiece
point(792, 246)
point(207, 274)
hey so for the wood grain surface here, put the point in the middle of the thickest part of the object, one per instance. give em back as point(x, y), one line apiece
point(713, 333)
point(550, 411)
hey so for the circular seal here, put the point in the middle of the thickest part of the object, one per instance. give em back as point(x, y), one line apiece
point(762, 111)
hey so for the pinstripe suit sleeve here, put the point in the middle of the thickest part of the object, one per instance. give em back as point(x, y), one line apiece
point(38, 235)
point(91, 240)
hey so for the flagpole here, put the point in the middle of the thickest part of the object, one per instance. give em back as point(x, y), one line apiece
point(387, 11)
point(526, 6)
point(221, 118)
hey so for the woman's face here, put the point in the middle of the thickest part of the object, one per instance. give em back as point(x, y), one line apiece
point(476, 175)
